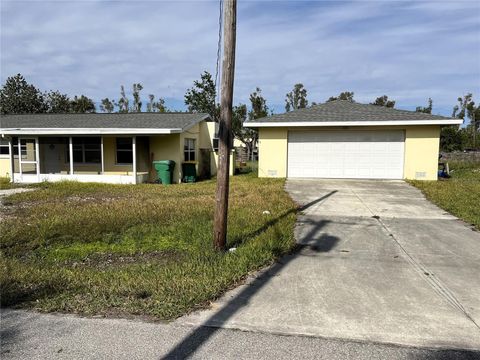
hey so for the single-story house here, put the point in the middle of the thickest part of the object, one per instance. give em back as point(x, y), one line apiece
point(343, 139)
point(109, 148)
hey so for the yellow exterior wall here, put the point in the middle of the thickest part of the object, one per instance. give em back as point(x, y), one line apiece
point(166, 147)
point(109, 156)
point(420, 160)
point(272, 150)
point(192, 133)
point(208, 131)
point(4, 167)
point(421, 152)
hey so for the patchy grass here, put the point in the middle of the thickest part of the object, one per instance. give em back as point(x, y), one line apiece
point(459, 195)
point(250, 167)
point(5, 183)
point(136, 249)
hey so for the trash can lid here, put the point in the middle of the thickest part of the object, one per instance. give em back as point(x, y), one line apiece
point(164, 162)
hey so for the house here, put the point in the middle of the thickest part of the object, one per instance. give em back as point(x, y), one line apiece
point(343, 139)
point(109, 148)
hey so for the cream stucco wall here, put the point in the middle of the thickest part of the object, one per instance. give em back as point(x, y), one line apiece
point(4, 167)
point(208, 131)
point(421, 152)
point(167, 147)
point(272, 152)
point(420, 160)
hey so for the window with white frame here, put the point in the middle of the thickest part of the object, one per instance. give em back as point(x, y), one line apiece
point(86, 150)
point(189, 150)
point(124, 151)
point(4, 151)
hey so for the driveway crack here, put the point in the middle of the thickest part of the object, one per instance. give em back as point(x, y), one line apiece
point(441, 289)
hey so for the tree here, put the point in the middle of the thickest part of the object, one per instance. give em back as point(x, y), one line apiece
point(259, 105)
point(107, 105)
point(82, 104)
point(426, 110)
point(259, 109)
point(123, 101)
point(17, 96)
point(345, 95)
point(156, 106)
point(466, 109)
point(383, 101)
point(296, 99)
point(201, 97)
point(239, 115)
point(159, 106)
point(451, 139)
point(56, 102)
point(137, 102)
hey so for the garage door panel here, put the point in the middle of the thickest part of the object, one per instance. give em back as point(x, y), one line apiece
point(346, 154)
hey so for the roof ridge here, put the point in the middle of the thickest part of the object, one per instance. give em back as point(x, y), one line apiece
point(346, 111)
point(104, 113)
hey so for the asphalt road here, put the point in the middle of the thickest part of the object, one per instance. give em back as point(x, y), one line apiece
point(29, 335)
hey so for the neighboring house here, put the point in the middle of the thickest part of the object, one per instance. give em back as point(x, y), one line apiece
point(241, 151)
point(342, 139)
point(109, 148)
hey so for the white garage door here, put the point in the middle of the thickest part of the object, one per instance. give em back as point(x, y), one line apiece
point(346, 154)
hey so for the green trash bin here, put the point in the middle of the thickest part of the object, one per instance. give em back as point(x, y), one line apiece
point(189, 171)
point(164, 170)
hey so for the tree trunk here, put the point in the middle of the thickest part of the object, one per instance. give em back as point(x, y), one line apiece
point(225, 126)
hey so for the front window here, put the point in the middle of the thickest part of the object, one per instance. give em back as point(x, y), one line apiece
point(189, 150)
point(86, 150)
point(124, 151)
point(4, 147)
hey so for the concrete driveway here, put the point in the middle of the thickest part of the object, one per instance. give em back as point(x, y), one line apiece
point(377, 262)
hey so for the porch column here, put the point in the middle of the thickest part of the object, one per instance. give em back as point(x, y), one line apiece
point(70, 151)
point(134, 156)
point(102, 160)
point(37, 156)
point(12, 164)
point(19, 158)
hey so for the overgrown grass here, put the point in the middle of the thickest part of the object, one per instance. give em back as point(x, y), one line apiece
point(144, 249)
point(5, 183)
point(459, 195)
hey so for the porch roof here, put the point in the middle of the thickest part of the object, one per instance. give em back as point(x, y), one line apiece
point(97, 124)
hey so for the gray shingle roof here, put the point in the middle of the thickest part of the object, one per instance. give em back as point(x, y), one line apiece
point(102, 121)
point(343, 110)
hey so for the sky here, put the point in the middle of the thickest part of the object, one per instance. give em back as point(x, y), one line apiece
point(409, 51)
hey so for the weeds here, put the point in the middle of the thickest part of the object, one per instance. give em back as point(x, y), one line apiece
point(459, 195)
point(136, 249)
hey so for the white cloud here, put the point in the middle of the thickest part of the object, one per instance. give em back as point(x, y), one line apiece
point(408, 50)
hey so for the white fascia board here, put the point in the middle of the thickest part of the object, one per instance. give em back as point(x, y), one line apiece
point(353, 123)
point(87, 131)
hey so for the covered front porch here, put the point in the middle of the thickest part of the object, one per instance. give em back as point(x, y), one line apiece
point(105, 159)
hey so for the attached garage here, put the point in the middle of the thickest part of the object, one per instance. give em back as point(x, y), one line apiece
point(353, 154)
point(343, 139)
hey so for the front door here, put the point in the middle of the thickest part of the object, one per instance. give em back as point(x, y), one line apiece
point(28, 155)
point(52, 150)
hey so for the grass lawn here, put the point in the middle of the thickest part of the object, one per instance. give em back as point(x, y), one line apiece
point(145, 249)
point(459, 195)
point(6, 184)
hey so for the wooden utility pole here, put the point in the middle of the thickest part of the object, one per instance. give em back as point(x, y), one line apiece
point(225, 125)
